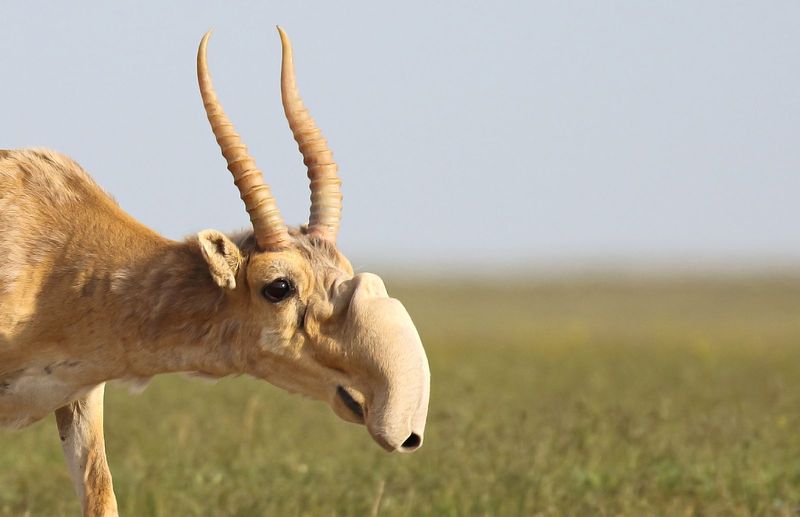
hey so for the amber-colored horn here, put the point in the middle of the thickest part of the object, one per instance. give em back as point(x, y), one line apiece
point(268, 227)
point(326, 192)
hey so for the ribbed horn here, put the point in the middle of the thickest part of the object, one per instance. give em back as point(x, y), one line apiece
point(268, 227)
point(326, 192)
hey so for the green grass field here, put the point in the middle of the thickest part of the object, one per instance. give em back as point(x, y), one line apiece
point(583, 397)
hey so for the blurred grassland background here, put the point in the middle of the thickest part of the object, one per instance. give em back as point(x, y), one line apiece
point(578, 395)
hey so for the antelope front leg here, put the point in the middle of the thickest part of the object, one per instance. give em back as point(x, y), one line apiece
point(80, 426)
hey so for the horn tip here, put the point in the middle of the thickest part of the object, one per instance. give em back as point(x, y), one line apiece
point(201, 50)
point(283, 35)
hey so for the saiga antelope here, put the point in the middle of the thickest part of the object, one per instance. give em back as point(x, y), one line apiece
point(88, 294)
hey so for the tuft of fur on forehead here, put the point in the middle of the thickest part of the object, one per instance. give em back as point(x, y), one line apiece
point(318, 251)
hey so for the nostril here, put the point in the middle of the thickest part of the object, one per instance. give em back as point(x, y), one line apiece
point(412, 442)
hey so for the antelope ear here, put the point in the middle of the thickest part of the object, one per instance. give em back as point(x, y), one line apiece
point(222, 255)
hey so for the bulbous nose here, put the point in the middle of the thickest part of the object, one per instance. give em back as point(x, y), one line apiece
point(383, 338)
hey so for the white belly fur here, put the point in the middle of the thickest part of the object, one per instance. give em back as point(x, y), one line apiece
point(33, 394)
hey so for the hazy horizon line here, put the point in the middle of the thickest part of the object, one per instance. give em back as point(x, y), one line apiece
point(597, 266)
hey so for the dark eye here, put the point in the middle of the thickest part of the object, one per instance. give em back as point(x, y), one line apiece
point(278, 290)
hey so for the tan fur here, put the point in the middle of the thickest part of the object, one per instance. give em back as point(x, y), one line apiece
point(80, 428)
point(88, 295)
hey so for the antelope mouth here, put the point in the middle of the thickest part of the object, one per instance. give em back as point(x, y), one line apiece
point(358, 411)
point(352, 404)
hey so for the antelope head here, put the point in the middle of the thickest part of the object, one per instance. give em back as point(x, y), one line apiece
point(323, 331)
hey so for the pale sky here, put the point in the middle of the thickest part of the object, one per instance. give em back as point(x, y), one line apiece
point(466, 133)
